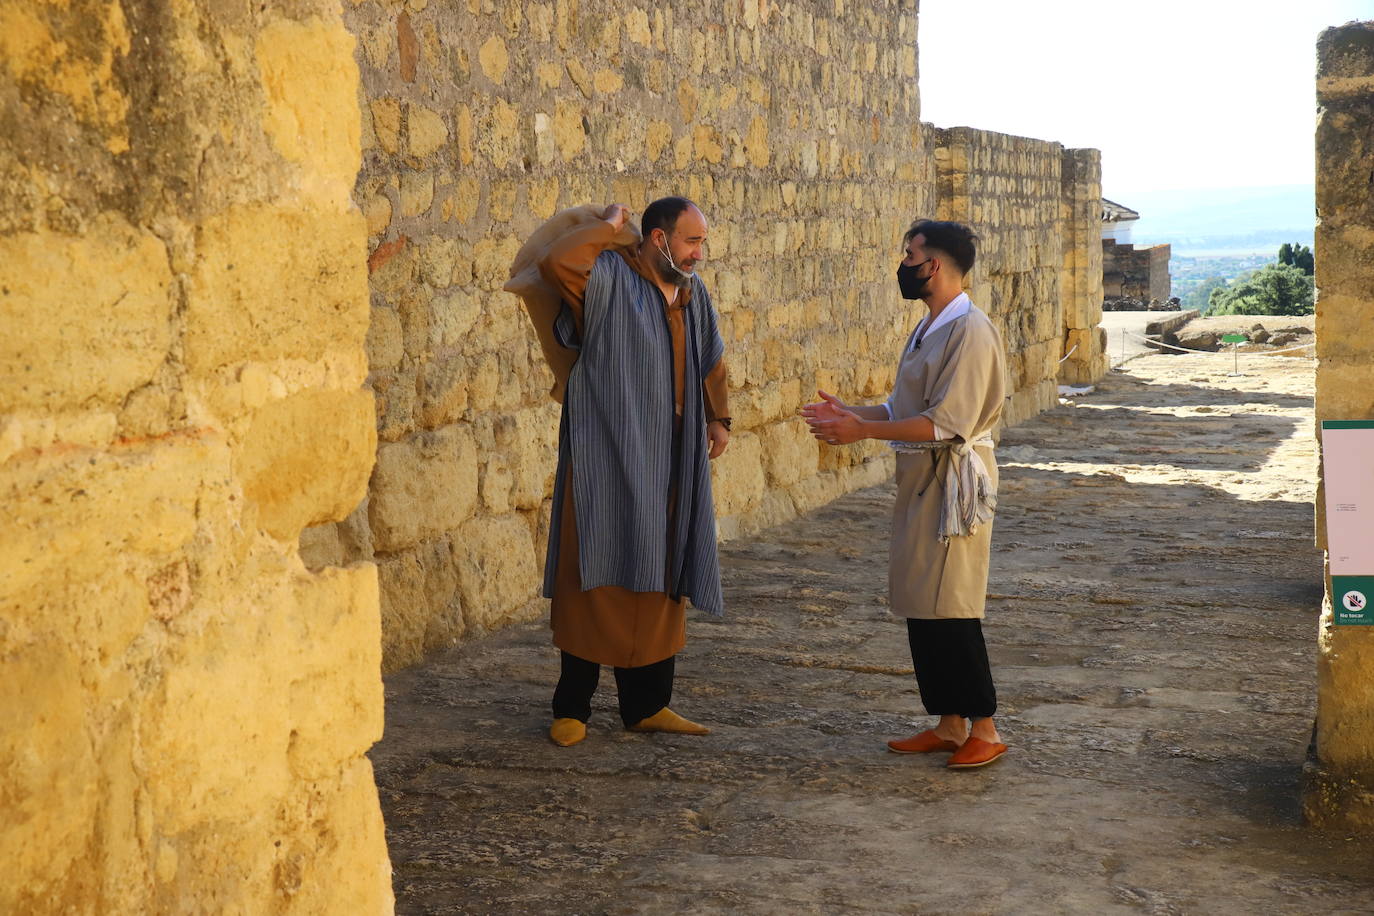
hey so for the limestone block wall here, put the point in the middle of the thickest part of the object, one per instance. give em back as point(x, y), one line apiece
point(1340, 784)
point(1139, 274)
point(1011, 190)
point(1080, 211)
point(185, 707)
point(795, 126)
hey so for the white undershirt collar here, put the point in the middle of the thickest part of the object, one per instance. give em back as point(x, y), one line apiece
point(958, 307)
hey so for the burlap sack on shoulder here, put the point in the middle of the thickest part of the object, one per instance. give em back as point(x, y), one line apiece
point(541, 300)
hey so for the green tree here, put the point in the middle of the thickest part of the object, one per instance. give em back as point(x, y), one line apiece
point(1199, 297)
point(1299, 256)
point(1275, 289)
point(1303, 260)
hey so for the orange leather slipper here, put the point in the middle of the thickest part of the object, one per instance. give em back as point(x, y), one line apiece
point(924, 743)
point(975, 752)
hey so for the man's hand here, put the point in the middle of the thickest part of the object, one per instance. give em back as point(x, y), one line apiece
point(827, 402)
point(719, 437)
point(831, 420)
point(616, 215)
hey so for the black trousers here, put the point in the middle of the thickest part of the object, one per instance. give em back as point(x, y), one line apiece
point(952, 669)
point(641, 691)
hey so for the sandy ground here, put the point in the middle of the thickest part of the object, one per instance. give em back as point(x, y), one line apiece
point(1124, 330)
point(1152, 624)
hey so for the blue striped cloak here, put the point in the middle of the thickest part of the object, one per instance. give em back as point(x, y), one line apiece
point(617, 436)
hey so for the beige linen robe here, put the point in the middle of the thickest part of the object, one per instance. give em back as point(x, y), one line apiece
point(957, 378)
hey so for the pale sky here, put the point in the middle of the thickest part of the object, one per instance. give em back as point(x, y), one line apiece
point(1175, 93)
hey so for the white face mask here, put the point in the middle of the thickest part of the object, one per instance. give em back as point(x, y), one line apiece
point(673, 264)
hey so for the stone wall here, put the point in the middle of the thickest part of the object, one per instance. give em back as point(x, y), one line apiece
point(795, 126)
point(1036, 207)
point(1080, 207)
point(1340, 784)
point(1134, 277)
point(797, 130)
point(185, 708)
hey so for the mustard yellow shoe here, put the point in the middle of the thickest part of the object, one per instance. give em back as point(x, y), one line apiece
point(567, 732)
point(665, 720)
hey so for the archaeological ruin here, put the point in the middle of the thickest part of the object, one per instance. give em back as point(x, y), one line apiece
point(1340, 772)
point(269, 425)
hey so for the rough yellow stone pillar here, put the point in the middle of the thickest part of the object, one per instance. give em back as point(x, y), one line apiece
point(1340, 784)
point(1084, 360)
point(184, 708)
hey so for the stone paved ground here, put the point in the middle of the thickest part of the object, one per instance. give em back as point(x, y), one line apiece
point(1152, 621)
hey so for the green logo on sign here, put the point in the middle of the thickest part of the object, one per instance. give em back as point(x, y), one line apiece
point(1234, 338)
point(1352, 599)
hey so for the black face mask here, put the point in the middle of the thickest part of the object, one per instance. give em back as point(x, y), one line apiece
point(912, 286)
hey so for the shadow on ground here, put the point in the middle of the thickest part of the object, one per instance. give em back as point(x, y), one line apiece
point(1152, 626)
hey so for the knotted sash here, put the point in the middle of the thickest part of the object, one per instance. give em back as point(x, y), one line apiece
point(969, 498)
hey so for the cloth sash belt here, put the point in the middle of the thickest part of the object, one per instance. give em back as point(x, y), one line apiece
point(970, 499)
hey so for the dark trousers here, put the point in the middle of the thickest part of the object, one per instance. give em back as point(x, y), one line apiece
point(642, 691)
point(952, 669)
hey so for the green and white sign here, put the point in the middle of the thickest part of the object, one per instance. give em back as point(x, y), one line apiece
point(1352, 599)
point(1234, 338)
point(1348, 476)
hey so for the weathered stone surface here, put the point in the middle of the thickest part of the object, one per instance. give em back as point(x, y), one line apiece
point(737, 479)
point(1202, 340)
point(321, 546)
point(306, 459)
point(385, 346)
point(76, 329)
point(414, 582)
point(185, 709)
point(422, 487)
point(789, 452)
point(246, 303)
point(1340, 782)
point(426, 131)
point(498, 568)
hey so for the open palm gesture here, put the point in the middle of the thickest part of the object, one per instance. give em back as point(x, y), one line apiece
point(831, 420)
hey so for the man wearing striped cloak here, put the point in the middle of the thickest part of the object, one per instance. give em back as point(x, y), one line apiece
point(633, 528)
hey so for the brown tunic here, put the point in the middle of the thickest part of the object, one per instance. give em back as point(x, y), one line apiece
point(611, 625)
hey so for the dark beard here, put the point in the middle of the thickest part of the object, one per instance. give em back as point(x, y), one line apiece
point(666, 271)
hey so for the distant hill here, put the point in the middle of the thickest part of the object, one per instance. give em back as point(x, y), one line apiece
point(1216, 220)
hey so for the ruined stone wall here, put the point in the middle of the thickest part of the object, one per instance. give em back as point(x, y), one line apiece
point(1035, 228)
point(1340, 784)
point(1080, 210)
point(795, 126)
point(1138, 275)
point(184, 301)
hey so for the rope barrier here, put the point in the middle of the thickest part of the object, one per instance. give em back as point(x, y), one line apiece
point(1070, 353)
point(1160, 343)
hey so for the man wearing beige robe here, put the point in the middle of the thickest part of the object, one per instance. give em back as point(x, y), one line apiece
point(945, 404)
